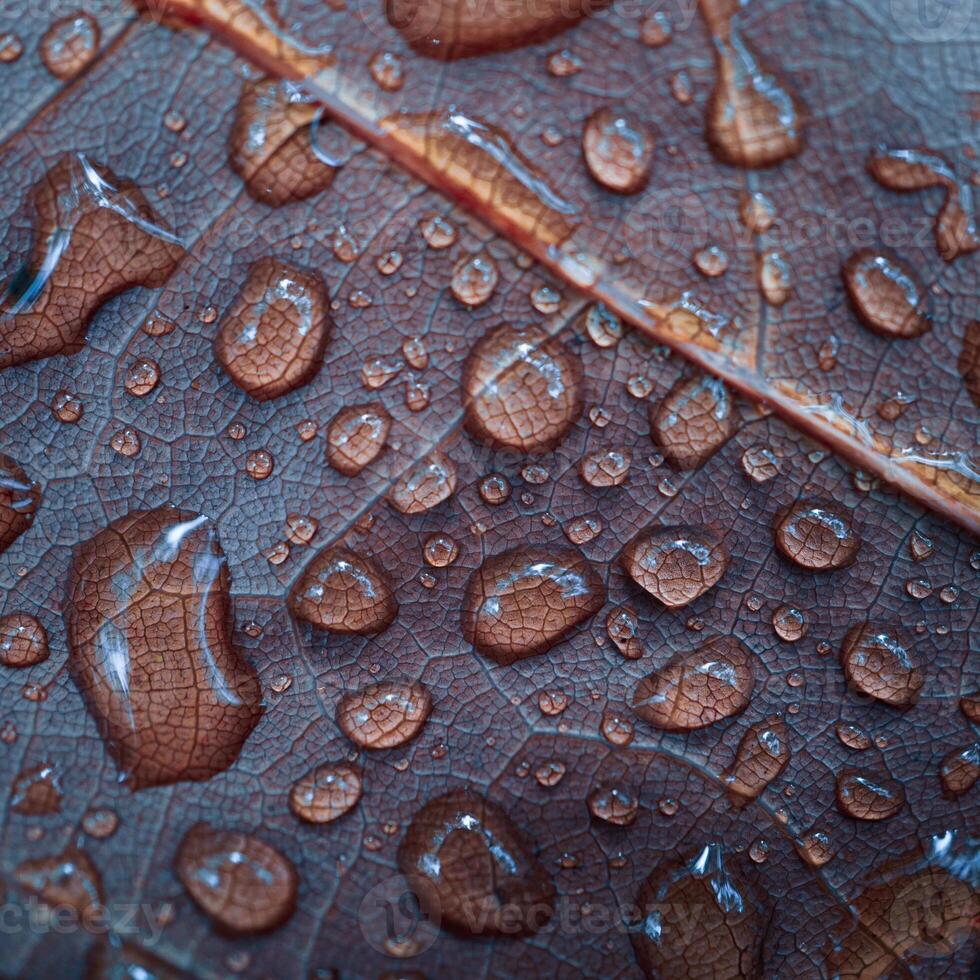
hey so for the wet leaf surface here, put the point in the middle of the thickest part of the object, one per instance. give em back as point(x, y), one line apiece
point(502, 730)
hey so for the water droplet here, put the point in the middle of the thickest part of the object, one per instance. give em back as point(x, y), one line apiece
point(623, 628)
point(100, 823)
point(174, 121)
point(920, 547)
point(949, 594)
point(69, 45)
point(141, 377)
point(563, 63)
point(278, 554)
point(681, 87)
point(326, 793)
point(301, 528)
point(208, 315)
point(879, 661)
point(613, 805)
point(789, 623)
point(521, 389)
point(694, 420)
point(356, 436)
point(918, 588)
point(550, 773)
point(272, 145)
point(668, 806)
point(343, 592)
point(69, 879)
point(916, 169)
point(656, 29)
point(243, 884)
point(676, 565)
point(472, 870)
point(762, 755)
point(67, 407)
point(440, 550)
point(894, 407)
point(886, 295)
point(604, 328)
point(775, 277)
point(11, 48)
point(495, 489)
point(389, 262)
point(817, 535)
point(385, 715)
point(760, 463)
point(414, 351)
point(425, 485)
point(759, 851)
point(582, 530)
point(36, 792)
point(701, 889)
point(521, 602)
point(815, 847)
point(259, 464)
point(639, 385)
point(273, 337)
point(359, 300)
point(752, 118)
point(474, 279)
point(23, 641)
point(827, 354)
point(158, 326)
point(346, 248)
point(605, 468)
point(697, 688)
point(711, 261)
point(418, 394)
point(553, 702)
point(546, 299)
point(151, 574)
point(126, 442)
point(867, 796)
point(618, 150)
point(960, 769)
point(437, 231)
point(377, 372)
point(757, 212)
point(853, 736)
point(387, 70)
point(616, 728)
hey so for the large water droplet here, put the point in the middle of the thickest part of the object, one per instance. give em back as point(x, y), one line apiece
point(149, 636)
point(327, 792)
point(618, 150)
point(36, 792)
point(867, 796)
point(426, 484)
point(69, 45)
point(473, 870)
point(521, 602)
point(244, 885)
point(959, 770)
point(343, 592)
point(676, 565)
point(605, 467)
point(521, 389)
point(698, 688)
point(385, 715)
point(879, 661)
point(694, 420)
point(273, 337)
point(613, 805)
point(356, 436)
point(23, 641)
point(271, 144)
point(698, 919)
point(886, 295)
point(817, 535)
point(752, 119)
point(761, 756)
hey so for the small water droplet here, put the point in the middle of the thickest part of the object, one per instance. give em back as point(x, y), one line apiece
point(440, 550)
point(67, 407)
point(789, 623)
point(711, 261)
point(474, 279)
point(259, 464)
point(141, 377)
point(437, 231)
point(387, 70)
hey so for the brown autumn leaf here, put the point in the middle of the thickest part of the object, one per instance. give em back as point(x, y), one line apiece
point(491, 726)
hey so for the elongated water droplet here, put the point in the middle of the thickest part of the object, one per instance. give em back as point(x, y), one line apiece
point(868, 796)
point(880, 661)
point(817, 535)
point(886, 295)
point(618, 150)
